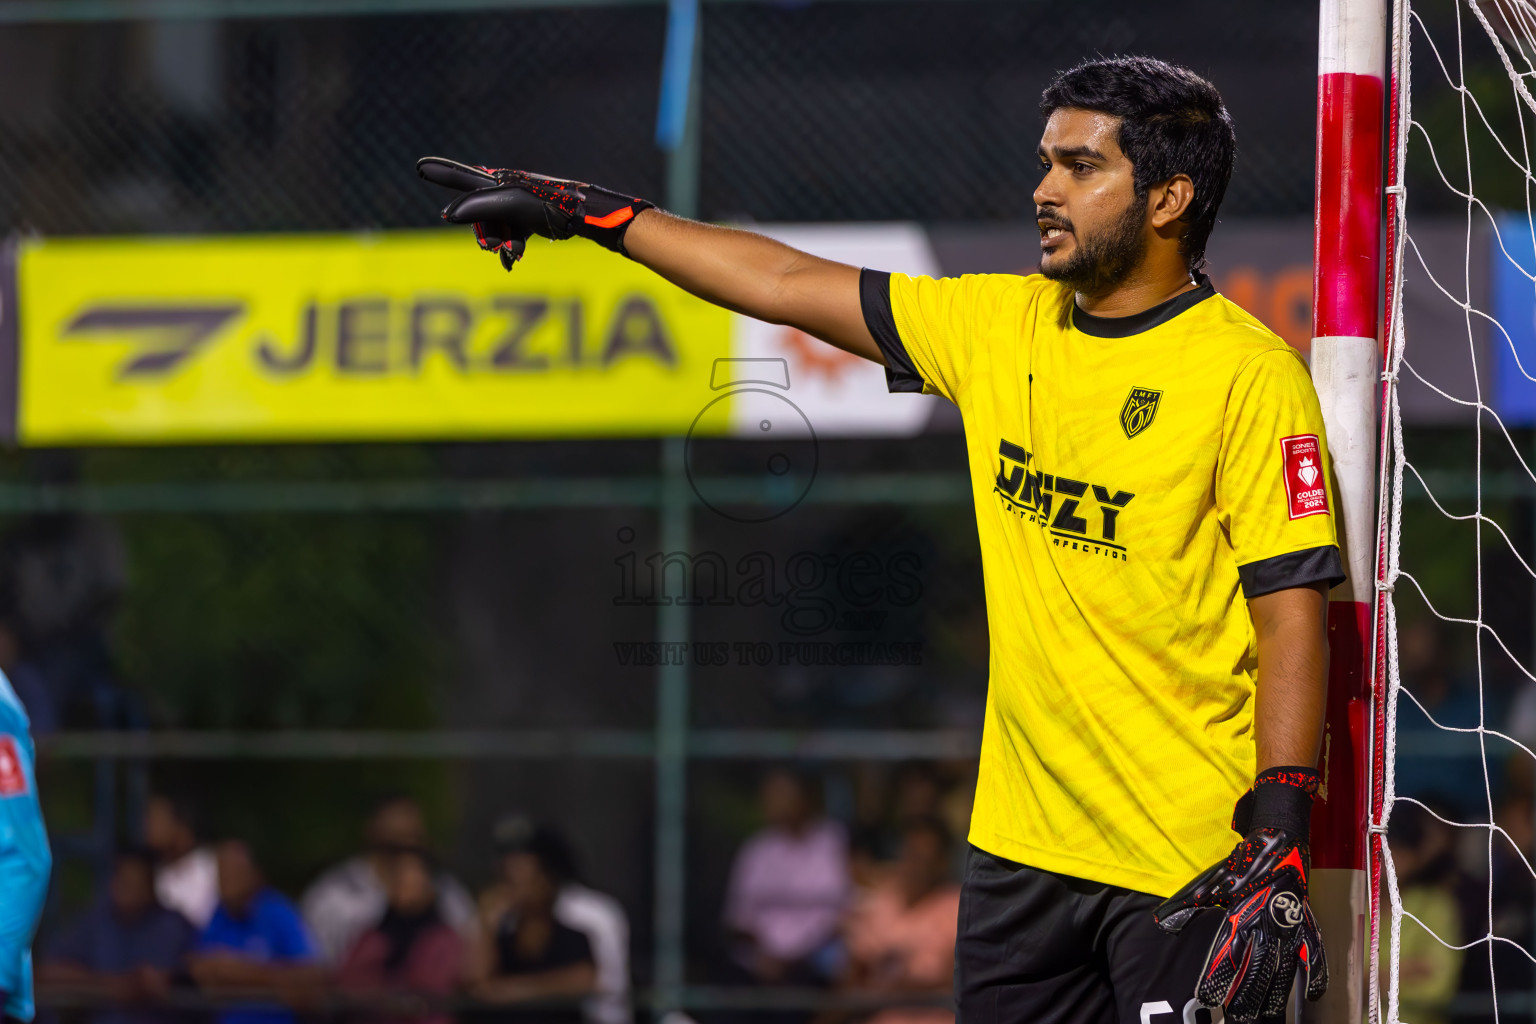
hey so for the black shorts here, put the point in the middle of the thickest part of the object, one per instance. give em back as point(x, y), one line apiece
point(1041, 948)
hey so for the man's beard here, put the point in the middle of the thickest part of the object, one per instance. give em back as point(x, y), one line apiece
point(1099, 263)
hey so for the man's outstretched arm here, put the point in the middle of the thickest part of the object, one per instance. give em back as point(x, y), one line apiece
point(751, 274)
point(742, 271)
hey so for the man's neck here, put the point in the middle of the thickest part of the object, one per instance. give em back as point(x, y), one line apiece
point(1137, 293)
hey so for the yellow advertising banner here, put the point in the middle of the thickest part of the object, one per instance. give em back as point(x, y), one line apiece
point(391, 336)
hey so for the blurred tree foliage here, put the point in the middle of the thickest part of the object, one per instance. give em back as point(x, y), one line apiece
point(273, 620)
point(276, 620)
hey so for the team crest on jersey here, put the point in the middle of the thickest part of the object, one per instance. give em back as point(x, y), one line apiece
point(1139, 409)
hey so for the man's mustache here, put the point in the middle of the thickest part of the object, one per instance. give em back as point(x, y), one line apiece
point(1046, 217)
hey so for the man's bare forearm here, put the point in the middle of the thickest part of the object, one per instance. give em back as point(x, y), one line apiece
point(755, 275)
point(1292, 629)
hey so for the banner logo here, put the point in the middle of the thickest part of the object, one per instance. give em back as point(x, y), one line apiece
point(403, 335)
point(168, 335)
point(1139, 410)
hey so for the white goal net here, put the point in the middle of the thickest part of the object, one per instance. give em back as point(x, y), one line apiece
point(1452, 809)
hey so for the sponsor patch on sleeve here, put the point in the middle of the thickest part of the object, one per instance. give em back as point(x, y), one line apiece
point(1305, 488)
point(13, 777)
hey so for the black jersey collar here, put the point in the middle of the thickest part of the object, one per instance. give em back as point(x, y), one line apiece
point(1136, 323)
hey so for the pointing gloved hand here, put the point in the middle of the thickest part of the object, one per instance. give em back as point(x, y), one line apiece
point(507, 207)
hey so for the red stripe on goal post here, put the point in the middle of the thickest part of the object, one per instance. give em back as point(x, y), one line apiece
point(1346, 359)
point(1346, 269)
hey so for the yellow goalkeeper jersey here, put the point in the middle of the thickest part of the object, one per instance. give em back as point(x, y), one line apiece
point(1136, 479)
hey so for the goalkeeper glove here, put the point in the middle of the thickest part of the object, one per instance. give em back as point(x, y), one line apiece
point(506, 207)
point(1262, 888)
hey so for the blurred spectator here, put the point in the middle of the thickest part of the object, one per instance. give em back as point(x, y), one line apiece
point(1522, 714)
point(350, 898)
point(1513, 886)
point(1424, 857)
point(1503, 902)
point(187, 875)
point(65, 575)
point(901, 935)
point(865, 868)
point(411, 951)
point(124, 948)
point(1449, 702)
point(255, 944)
point(916, 791)
point(955, 809)
point(528, 955)
point(919, 793)
point(789, 887)
point(42, 702)
point(596, 915)
point(919, 789)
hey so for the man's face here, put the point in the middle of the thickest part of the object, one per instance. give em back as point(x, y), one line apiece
point(398, 824)
point(529, 888)
point(409, 886)
point(1092, 225)
point(239, 878)
point(160, 825)
point(783, 801)
point(132, 889)
point(921, 865)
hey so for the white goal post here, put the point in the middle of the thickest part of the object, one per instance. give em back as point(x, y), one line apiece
point(1352, 95)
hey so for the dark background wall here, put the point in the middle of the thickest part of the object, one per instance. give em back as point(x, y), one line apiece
point(831, 111)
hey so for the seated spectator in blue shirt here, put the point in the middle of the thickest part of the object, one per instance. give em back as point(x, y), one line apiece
point(124, 949)
point(255, 945)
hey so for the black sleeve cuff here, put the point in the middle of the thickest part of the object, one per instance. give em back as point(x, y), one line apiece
point(875, 298)
point(1297, 569)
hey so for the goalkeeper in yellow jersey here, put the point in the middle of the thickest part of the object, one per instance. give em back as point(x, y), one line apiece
point(1151, 489)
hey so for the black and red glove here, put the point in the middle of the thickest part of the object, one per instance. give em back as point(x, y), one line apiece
point(1269, 930)
point(507, 207)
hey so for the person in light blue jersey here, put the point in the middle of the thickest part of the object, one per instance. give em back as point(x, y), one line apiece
point(25, 860)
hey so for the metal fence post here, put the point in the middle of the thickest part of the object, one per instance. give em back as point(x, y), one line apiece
point(685, 16)
point(672, 628)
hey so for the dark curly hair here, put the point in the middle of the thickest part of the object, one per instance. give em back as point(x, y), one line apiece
point(1172, 121)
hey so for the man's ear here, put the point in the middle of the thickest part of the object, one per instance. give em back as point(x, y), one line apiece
point(1171, 200)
